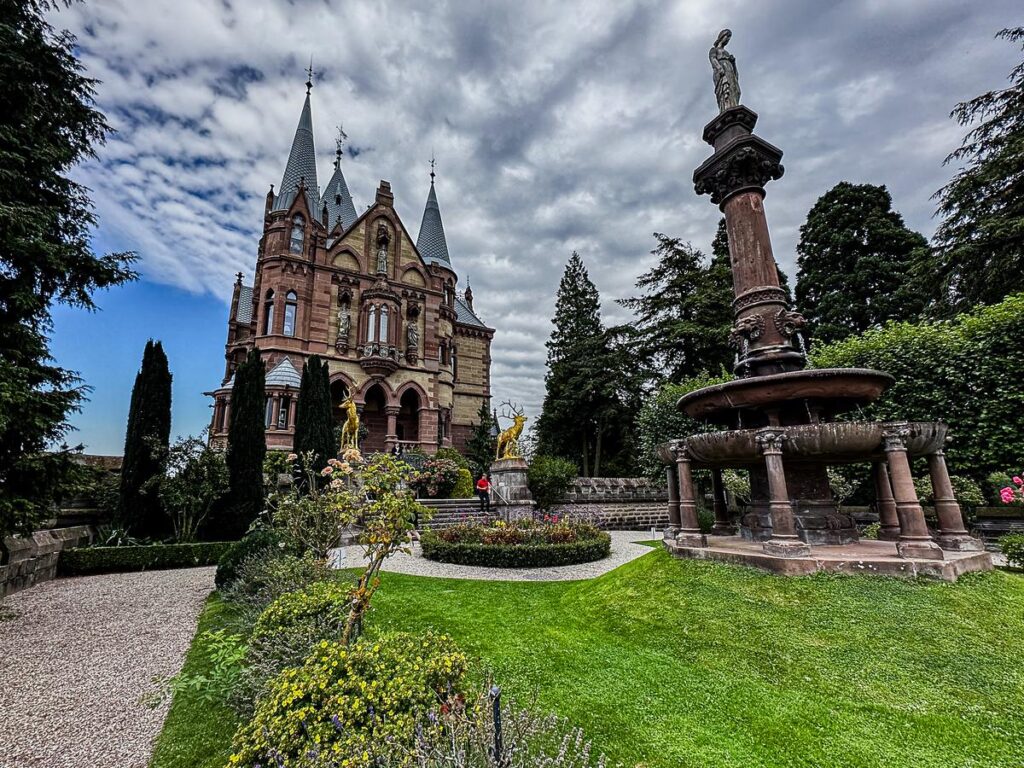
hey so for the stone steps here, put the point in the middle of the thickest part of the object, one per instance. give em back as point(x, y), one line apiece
point(449, 512)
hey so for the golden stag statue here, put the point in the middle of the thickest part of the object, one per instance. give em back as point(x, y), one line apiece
point(508, 440)
point(350, 429)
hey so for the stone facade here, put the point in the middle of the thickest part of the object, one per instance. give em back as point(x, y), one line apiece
point(33, 559)
point(383, 309)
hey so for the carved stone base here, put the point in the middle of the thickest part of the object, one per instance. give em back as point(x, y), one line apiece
point(723, 529)
point(670, 533)
point(508, 476)
point(960, 543)
point(919, 550)
point(786, 548)
point(691, 539)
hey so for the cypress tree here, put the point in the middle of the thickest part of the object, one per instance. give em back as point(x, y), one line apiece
point(247, 447)
point(146, 441)
point(482, 444)
point(314, 427)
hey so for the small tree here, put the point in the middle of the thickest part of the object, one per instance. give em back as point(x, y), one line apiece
point(145, 445)
point(194, 479)
point(314, 426)
point(247, 447)
point(483, 441)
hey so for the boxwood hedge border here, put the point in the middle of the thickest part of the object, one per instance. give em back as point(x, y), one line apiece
point(143, 557)
point(515, 555)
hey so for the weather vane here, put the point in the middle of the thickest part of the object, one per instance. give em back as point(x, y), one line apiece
point(431, 166)
point(309, 76)
point(339, 144)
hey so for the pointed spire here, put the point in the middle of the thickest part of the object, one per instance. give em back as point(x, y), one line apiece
point(431, 242)
point(301, 160)
point(337, 199)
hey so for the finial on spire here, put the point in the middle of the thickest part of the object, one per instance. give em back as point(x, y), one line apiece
point(339, 145)
point(309, 76)
point(432, 167)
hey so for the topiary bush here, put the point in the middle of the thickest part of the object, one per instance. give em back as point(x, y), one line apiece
point(254, 543)
point(142, 557)
point(1012, 547)
point(549, 479)
point(527, 544)
point(357, 706)
point(463, 485)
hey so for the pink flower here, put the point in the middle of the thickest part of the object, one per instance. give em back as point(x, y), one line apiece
point(1017, 480)
point(292, 456)
point(1006, 494)
point(327, 471)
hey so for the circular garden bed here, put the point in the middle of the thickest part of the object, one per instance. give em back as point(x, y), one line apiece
point(524, 544)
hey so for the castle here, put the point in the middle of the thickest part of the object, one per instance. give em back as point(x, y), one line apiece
point(385, 311)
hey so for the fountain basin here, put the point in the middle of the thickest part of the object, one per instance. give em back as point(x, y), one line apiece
point(831, 443)
point(830, 390)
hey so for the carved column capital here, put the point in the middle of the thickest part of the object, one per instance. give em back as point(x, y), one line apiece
point(392, 410)
point(770, 440)
point(679, 450)
point(895, 436)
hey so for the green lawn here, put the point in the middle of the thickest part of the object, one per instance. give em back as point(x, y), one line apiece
point(679, 663)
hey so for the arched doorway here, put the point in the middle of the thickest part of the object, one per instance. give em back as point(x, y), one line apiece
point(408, 426)
point(374, 420)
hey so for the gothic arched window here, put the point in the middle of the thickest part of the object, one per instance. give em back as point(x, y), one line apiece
point(371, 323)
point(295, 242)
point(268, 313)
point(290, 308)
point(384, 325)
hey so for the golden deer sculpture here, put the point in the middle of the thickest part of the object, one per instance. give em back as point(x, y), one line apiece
point(508, 440)
point(350, 428)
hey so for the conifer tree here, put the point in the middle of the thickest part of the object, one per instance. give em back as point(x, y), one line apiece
point(854, 258)
point(48, 124)
point(247, 447)
point(482, 444)
point(314, 427)
point(979, 247)
point(146, 442)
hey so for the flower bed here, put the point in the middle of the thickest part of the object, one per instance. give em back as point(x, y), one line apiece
point(526, 544)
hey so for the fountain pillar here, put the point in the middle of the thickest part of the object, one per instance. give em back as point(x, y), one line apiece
point(673, 503)
point(914, 541)
point(723, 524)
point(886, 504)
point(689, 534)
point(953, 536)
point(784, 541)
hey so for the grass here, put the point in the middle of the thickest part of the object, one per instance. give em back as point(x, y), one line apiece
point(688, 663)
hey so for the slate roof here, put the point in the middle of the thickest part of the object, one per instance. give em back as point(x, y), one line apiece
point(284, 374)
point(338, 200)
point(301, 165)
point(465, 315)
point(244, 312)
point(430, 241)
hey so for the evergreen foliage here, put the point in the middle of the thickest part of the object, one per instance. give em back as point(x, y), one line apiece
point(855, 256)
point(145, 446)
point(980, 243)
point(685, 311)
point(482, 444)
point(314, 424)
point(48, 125)
point(966, 372)
point(247, 447)
point(586, 416)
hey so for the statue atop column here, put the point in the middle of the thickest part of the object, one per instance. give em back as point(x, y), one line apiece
point(723, 70)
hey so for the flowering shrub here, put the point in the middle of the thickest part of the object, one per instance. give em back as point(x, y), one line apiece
point(321, 603)
point(1012, 547)
point(265, 576)
point(1013, 494)
point(261, 540)
point(436, 478)
point(356, 706)
point(551, 540)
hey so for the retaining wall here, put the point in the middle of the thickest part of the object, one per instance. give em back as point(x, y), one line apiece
point(618, 503)
point(33, 559)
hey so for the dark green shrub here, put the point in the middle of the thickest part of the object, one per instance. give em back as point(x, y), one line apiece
point(1012, 547)
point(85, 560)
point(348, 706)
point(267, 575)
point(323, 603)
point(549, 478)
point(452, 454)
point(251, 544)
point(463, 485)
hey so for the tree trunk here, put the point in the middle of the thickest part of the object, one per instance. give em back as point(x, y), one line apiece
point(597, 452)
point(586, 463)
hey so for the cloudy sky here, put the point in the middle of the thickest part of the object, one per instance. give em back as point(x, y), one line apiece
point(556, 127)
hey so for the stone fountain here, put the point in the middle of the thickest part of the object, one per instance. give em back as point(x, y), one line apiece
point(781, 420)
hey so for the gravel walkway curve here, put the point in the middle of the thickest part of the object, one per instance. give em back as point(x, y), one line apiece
point(79, 655)
point(624, 549)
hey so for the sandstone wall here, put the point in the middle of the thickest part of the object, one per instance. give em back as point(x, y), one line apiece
point(618, 503)
point(33, 559)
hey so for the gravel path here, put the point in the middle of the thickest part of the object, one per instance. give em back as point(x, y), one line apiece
point(624, 549)
point(79, 655)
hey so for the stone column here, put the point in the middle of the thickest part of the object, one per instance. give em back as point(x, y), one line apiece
point(689, 534)
point(953, 536)
point(275, 403)
point(391, 436)
point(914, 541)
point(784, 541)
point(673, 502)
point(723, 523)
point(889, 522)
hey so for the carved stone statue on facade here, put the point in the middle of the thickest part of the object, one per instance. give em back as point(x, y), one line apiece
point(344, 327)
point(723, 70)
point(412, 336)
point(383, 238)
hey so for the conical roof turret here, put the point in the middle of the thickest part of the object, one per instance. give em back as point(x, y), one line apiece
point(301, 164)
point(337, 198)
point(430, 241)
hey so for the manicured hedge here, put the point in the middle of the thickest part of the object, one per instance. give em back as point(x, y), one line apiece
point(515, 555)
point(144, 557)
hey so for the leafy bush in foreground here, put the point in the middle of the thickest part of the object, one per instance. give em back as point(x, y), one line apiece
point(1012, 547)
point(257, 542)
point(549, 478)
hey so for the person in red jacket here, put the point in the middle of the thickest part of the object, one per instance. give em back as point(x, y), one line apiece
point(483, 490)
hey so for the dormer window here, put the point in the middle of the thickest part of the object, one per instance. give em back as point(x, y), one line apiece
point(298, 233)
point(268, 313)
point(290, 308)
